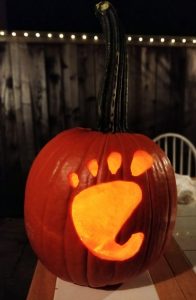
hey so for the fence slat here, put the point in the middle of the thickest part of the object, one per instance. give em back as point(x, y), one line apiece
point(26, 103)
point(87, 84)
point(38, 88)
point(54, 79)
point(17, 95)
point(70, 84)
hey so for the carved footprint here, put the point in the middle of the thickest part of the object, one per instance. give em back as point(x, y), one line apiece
point(99, 211)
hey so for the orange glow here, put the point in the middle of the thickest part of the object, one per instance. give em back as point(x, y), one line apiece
point(73, 179)
point(99, 213)
point(93, 167)
point(142, 161)
point(114, 161)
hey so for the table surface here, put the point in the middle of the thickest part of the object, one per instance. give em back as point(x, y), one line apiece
point(172, 278)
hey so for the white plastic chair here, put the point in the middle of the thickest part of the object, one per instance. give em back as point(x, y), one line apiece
point(181, 152)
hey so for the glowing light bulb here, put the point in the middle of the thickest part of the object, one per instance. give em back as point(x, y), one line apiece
point(140, 39)
point(13, 33)
point(73, 37)
point(162, 40)
point(129, 38)
point(61, 35)
point(37, 34)
point(26, 34)
point(49, 35)
point(84, 36)
point(96, 38)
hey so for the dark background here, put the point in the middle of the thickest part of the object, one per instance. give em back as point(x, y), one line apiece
point(169, 17)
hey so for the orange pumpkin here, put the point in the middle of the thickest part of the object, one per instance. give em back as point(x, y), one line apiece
point(100, 204)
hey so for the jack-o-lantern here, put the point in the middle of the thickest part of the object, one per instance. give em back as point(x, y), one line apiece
point(100, 204)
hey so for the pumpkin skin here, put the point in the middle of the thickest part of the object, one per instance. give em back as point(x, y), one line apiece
point(49, 200)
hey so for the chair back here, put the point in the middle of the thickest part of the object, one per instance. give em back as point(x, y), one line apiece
point(181, 152)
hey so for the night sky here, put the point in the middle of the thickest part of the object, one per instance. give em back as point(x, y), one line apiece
point(138, 16)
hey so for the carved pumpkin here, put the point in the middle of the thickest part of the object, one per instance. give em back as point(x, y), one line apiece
point(100, 204)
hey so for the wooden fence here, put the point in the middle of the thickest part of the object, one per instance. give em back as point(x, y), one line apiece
point(45, 88)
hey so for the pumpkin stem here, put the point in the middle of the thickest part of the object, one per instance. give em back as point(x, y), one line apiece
point(113, 95)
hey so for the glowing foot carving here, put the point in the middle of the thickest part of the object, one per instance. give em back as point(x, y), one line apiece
point(99, 211)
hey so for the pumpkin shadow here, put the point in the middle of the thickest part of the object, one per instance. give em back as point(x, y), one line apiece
point(171, 264)
point(133, 283)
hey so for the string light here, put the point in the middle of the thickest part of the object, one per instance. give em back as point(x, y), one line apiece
point(73, 37)
point(84, 36)
point(134, 39)
point(96, 38)
point(61, 35)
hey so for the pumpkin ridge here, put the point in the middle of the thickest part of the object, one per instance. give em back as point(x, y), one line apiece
point(71, 195)
point(93, 143)
point(132, 142)
point(145, 261)
point(65, 158)
point(172, 194)
point(92, 261)
point(47, 205)
point(158, 168)
point(152, 217)
point(102, 156)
